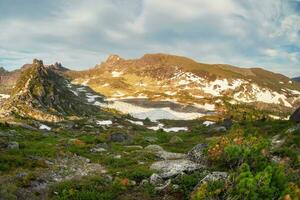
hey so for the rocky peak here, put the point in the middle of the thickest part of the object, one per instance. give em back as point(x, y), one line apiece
point(42, 93)
point(58, 67)
point(113, 59)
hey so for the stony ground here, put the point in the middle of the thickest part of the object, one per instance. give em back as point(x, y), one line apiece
point(82, 160)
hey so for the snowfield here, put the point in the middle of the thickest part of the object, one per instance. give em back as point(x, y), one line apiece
point(104, 122)
point(153, 114)
point(44, 127)
point(4, 96)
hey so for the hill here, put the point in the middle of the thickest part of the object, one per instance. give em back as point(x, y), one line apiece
point(168, 77)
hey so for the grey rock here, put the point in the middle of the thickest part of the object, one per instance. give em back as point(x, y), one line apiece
point(175, 187)
point(161, 153)
point(170, 155)
point(293, 129)
point(144, 182)
point(156, 179)
point(277, 141)
point(217, 129)
point(214, 176)
point(164, 186)
point(154, 148)
point(102, 147)
point(118, 137)
point(170, 168)
point(197, 154)
point(13, 145)
point(97, 150)
point(275, 159)
point(151, 139)
point(175, 140)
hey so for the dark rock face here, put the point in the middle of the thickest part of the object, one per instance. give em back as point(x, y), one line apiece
point(227, 123)
point(295, 117)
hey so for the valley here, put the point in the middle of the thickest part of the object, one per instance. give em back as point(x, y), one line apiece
point(157, 127)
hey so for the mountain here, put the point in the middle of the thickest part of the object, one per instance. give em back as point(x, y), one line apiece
point(42, 93)
point(168, 77)
point(296, 79)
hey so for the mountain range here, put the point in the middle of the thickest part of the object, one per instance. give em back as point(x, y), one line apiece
point(54, 90)
point(157, 127)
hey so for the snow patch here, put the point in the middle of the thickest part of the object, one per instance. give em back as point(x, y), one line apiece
point(44, 127)
point(170, 93)
point(206, 106)
point(91, 97)
point(175, 129)
point(171, 129)
point(116, 74)
point(136, 122)
point(261, 94)
point(4, 96)
point(104, 122)
point(208, 123)
point(153, 114)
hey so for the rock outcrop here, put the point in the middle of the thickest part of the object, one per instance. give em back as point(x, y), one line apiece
point(41, 93)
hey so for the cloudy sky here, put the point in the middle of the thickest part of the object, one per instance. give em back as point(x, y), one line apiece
point(82, 33)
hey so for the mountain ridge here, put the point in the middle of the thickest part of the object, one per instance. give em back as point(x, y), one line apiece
point(162, 76)
point(41, 93)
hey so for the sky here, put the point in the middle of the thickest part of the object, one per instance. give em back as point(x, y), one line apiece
point(83, 33)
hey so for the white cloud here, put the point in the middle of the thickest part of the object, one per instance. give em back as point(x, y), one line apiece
point(81, 33)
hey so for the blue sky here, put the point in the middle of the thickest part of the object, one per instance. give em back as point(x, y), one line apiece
point(80, 34)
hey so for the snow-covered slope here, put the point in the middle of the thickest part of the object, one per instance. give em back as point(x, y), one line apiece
point(164, 77)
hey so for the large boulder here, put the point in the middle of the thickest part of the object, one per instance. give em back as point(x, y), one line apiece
point(197, 154)
point(171, 168)
point(295, 117)
point(161, 153)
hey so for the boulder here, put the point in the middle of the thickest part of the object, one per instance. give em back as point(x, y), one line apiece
point(214, 176)
point(118, 137)
point(293, 129)
point(175, 140)
point(13, 145)
point(217, 129)
point(171, 168)
point(156, 179)
point(169, 155)
point(151, 139)
point(295, 117)
point(154, 148)
point(277, 141)
point(196, 154)
point(227, 123)
point(161, 153)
